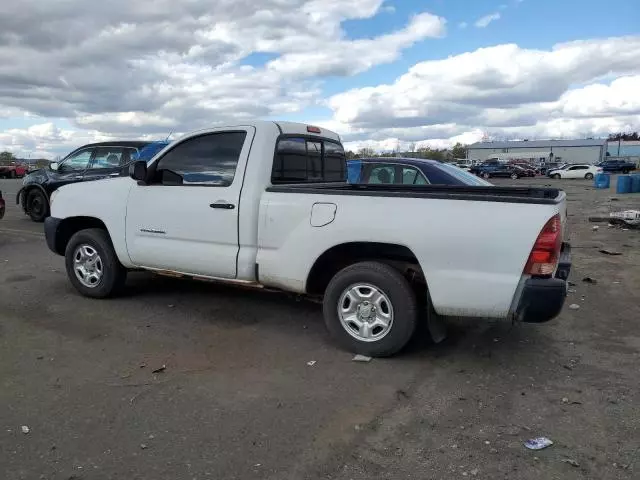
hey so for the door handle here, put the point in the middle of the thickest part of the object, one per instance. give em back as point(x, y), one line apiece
point(223, 204)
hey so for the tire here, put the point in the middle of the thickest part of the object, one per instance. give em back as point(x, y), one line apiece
point(556, 176)
point(589, 176)
point(399, 299)
point(12, 174)
point(486, 175)
point(514, 176)
point(37, 205)
point(113, 275)
point(625, 172)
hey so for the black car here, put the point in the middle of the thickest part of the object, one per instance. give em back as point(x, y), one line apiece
point(505, 171)
point(94, 161)
point(615, 166)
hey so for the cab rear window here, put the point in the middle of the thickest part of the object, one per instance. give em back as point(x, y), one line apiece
point(308, 160)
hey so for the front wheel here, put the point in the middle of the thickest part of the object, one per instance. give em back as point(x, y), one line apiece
point(370, 308)
point(624, 172)
point(92, 265)
point(514, 176)
point(486, 175)
point(589, 176)
point(37, 205)
point(556, 176)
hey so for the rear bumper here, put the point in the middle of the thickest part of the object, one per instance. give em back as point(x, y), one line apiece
point(51, 227)
point(543, 298)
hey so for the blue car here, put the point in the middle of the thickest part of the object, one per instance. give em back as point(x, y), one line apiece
point(409, 171)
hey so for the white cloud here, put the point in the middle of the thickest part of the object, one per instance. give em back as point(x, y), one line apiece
point(574, 89)
point(132, 68)
point(483, 22)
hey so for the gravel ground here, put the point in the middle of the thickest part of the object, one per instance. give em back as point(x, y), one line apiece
point(237, 398)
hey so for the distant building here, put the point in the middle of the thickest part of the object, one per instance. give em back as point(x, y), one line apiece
point(537, 151)
point(624, 148)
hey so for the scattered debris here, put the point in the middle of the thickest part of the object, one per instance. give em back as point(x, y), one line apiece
point(565, 400)
point(595, 228)
point(474, 472)
point(159, 369)
point(401, 394)
point(609, 252)
point(171, 305)
point(574, 306)
point(487, 442)
point(589, 280)
point(361, 358)
point(571, 462)
point(143, 365)
point(311, 363)
point(144, 446)
point(571, 284)
point(357, 428)
point(629, 217)
point(538, 443)
point(572, 290)
point(614, 199)
point(25, 429)
point(493, 450)
point(40, 357)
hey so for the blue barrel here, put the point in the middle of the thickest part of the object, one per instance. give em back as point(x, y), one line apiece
point(602, 180)
point(635, 183)
point(624, 184)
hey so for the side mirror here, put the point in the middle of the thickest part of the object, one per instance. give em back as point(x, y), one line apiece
point(54, 166)
point(138, 170)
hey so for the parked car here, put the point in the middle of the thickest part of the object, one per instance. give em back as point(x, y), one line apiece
point(94, 161)
point(408, 171)
point(576, 171)
point(504, 171)
point(617, 166)
point(270, 207)
point(484, 167)
point(13, 171)
point(531, 170)
point(2, 206)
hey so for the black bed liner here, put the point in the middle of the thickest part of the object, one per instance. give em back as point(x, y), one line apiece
point(547, 196)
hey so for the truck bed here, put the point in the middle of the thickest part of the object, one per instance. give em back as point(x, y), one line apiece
point(545, 196)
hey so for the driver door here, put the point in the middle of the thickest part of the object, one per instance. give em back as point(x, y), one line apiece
point(185, 218)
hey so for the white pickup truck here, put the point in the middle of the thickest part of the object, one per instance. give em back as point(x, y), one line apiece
point(266, 204)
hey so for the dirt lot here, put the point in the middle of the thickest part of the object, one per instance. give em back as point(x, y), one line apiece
point(238, 400)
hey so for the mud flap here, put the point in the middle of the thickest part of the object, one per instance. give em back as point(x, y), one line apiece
point(435, 323)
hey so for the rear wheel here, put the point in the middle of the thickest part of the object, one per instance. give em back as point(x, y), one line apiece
point(486, 175)
point(92, 265)
point(556, 176)
point(589, 176)
point(625, 171)
point(12, 174)
point(514, 176)
point(37, 205)
point(370, 308)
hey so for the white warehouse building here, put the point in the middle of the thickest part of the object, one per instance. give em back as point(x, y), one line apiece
point(567, 151)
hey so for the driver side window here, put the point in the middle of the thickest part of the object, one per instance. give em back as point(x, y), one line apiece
point(77, 161)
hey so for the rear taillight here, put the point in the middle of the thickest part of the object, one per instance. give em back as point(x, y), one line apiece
point(546, 251)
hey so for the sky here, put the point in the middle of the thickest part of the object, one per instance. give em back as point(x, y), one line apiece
point(384, 74)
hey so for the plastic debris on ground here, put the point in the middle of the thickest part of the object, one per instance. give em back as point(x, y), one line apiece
point(361, 358)
point(571, 462)
point(159, 369)
point(609, 252)
point(311, 363)
point(574, 306)
point(595, 227)
point(589, 280)
point(538, 443)
point(25, 429)
point(630, 217)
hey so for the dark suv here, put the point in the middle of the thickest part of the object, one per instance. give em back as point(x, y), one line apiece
point(94, 161)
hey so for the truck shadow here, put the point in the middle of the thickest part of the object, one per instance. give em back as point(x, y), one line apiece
point(478, 341)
